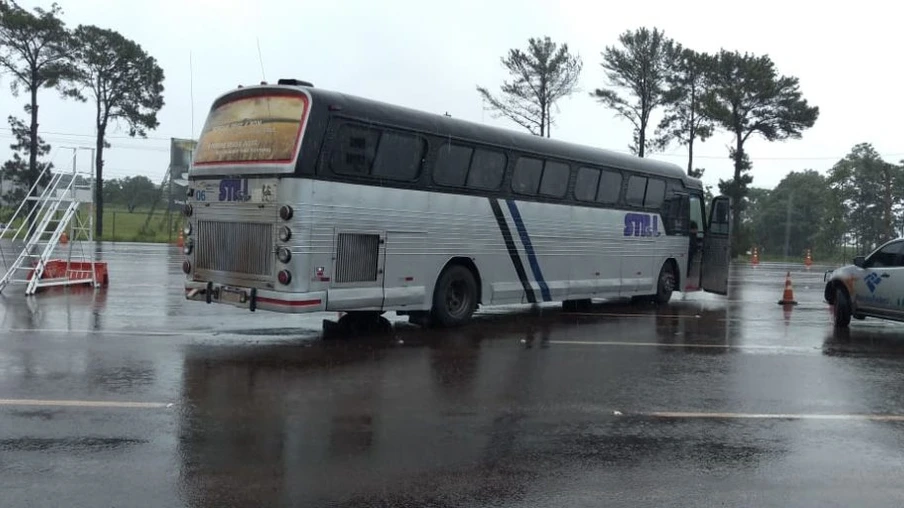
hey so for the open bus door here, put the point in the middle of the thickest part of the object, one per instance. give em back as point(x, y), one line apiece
point(717, 247)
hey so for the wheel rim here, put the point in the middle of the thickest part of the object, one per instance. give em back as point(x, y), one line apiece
point(458, 299)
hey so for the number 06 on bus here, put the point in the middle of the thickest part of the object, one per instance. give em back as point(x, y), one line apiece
point(302, 200)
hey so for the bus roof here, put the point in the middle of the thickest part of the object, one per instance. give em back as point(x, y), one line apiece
point(441, 125)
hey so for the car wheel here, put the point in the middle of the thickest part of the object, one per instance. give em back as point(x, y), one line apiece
point(841, 314)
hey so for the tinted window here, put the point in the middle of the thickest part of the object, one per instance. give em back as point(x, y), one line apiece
point(637, 185)
point(354, 150)
point(526, 179)
point(555, 179)
point(487, 169)
point(399, 156)
point(586, 184)
point(887, 256)
point(451, 166)
point(610, 187)
point(655, 193)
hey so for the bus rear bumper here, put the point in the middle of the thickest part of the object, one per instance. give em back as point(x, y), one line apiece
point(253, 299)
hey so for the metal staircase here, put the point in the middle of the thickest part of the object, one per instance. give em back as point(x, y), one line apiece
point(38, 227)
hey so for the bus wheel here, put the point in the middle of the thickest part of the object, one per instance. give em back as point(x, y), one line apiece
point(455, 296)
point(666, 284)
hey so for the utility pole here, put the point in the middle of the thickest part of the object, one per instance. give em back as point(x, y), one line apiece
point(788, 226)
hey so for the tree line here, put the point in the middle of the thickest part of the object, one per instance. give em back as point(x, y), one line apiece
point(740, 93)
point(854, 207)
point(88, 63)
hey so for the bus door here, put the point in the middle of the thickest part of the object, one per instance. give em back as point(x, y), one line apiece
point(696, 224)
point(717, 247)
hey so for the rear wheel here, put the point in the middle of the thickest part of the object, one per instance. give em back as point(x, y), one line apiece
point(841, 313)
point(455, 296)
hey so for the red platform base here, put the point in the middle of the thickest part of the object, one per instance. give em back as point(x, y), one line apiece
point(56, 269)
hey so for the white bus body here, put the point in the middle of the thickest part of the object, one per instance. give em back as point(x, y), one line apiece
point(280, 237)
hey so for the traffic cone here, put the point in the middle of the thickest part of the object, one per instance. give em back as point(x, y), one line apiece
point(788, 295)
point(755, 260)
point(181, 240)
point(808, 261)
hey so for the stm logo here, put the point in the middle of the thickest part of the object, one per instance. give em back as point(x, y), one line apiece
point(872, 281)
point(641, 224)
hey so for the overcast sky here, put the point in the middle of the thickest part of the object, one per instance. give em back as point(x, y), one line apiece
point(431, 55)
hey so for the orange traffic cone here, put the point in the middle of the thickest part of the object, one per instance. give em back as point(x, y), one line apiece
point(808, 261)
point(788, 295)
point(755, 260)
point(181, 240)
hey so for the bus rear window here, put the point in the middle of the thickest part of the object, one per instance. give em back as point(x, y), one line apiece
point(257, 129)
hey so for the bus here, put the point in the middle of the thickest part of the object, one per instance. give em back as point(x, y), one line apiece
point(302, 199)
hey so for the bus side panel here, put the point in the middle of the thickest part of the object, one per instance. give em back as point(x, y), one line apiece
point(469, 226)
point(540, 232)
point(595, 261)
point(420, 231)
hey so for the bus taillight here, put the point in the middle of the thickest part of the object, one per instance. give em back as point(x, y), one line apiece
point(285, 212)
point(284, 277)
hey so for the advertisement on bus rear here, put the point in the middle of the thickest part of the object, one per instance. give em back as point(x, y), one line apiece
point(262, 129)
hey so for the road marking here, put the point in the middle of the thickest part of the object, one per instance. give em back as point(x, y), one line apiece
point(774, 416)
point(700, 346)
point(84, 403)
point(113, 332)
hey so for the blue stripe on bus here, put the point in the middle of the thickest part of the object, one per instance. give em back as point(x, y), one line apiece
point(513, 252)
point(529, 249)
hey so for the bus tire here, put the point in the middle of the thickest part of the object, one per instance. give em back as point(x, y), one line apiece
point(665, 284)
point(454, 297)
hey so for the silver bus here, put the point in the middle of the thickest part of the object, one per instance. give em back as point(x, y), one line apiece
point(303, 200)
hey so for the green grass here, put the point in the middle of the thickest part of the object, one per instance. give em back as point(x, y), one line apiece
point(120, 225)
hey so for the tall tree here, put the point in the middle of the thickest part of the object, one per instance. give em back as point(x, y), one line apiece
point(126, 84)
point(16, 171)
point(35, 49)
point(542, 75)
point(684, 120)
point(639, 68)
point(749, 97)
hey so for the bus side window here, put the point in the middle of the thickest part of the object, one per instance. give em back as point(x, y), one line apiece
point(586, 184)
point(526, 179)
point(451, 167)
point(655, 193)
point(354, 150)
point(637, 186)
point(487, 170)
point(399, 156)
point(610, 187)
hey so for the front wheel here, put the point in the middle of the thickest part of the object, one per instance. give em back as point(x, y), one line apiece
point(841, 313)
point(665, 285)
point(455, 296)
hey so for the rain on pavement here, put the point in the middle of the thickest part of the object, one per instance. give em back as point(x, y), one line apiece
point(130, 396)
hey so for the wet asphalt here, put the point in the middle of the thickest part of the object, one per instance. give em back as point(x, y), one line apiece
point(130, 396)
